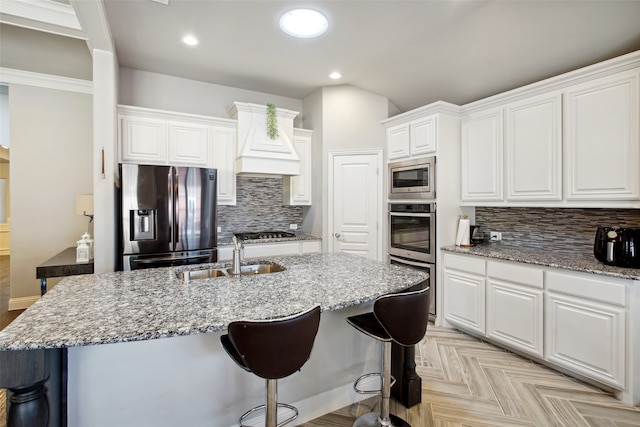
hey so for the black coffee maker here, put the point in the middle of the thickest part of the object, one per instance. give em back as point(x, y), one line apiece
point(618, 246)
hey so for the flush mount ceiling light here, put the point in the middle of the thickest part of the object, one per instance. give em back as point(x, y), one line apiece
point(303, 23)
point(190, 40)
point(335, 75)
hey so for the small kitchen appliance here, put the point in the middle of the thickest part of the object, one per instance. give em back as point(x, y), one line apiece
point(618, 246)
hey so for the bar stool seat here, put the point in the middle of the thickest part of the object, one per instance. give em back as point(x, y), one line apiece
point(401, 318)
point(272, 349)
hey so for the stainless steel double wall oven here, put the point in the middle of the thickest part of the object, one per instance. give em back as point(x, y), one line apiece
point(412, 219)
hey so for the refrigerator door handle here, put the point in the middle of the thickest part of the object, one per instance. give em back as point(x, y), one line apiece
point(176, 207)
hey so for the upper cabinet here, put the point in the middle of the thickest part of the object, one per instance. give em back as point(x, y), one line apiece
point(482, 153)
point(533, 148)
point(296, 189)
point(601, 138)
point(148, 136)
point(411, 139)
point(569, 141)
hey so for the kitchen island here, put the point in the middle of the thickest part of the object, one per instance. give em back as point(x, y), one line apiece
point(120, 373)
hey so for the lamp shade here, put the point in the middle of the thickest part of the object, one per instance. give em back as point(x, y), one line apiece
point(84, 204)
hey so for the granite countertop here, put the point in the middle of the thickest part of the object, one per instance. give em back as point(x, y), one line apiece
point(225, 239)
point(582, 262)
point(148, 304)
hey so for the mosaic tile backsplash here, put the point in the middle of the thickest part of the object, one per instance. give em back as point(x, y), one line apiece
point(559, 230)
point(258, 207)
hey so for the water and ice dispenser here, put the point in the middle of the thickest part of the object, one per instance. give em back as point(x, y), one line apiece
point(143, 224)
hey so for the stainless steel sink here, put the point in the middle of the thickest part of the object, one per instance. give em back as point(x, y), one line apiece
point(186, 276)
point(245, 270)
point(271, 267)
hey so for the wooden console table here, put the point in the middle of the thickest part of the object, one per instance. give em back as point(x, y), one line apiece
point(61, 265)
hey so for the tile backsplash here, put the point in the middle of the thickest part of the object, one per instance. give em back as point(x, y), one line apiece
point(258, 207)
point(558, 230)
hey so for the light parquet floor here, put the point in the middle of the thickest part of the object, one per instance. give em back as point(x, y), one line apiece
point(470, 383)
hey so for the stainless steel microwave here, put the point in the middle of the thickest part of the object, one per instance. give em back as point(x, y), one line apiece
point(413, 179)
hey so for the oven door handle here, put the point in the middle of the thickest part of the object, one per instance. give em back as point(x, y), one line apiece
point(408, 262)
point(422, 215)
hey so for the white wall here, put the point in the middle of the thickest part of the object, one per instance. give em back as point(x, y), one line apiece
point(343, 118)
point(152, 90)
point(51, 163)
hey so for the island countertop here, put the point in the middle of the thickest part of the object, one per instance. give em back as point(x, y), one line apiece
point(148, 304)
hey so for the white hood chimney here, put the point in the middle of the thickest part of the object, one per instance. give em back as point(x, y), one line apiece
point(257, 152)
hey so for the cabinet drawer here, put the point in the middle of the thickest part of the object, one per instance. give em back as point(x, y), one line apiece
point(467, 264)
point(596, 288)
point(271, 249)
point(516, 273)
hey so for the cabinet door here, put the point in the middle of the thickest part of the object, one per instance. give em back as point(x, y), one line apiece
point(482, 156)
point(586, 337)
point(601, 139)
point(143, 140)
point(398, 141)
point(422, 137)
point(188, 144)
point(297, 188)
point(223, 143)
point(515, 316)
point(464, 300)
point(533, 148)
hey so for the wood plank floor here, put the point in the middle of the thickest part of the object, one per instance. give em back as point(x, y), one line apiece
point(470, 383)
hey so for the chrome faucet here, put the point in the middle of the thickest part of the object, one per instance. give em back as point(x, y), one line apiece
point(237, 255)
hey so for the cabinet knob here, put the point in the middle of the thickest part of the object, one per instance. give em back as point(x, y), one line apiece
point(337, 235)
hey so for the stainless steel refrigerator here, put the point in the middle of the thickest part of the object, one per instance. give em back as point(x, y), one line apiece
point(168, 216)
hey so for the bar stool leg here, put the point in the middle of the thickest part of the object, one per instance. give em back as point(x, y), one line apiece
point(272, 403)
point(383, 418)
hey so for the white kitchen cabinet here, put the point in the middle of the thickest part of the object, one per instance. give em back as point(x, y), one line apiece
point(267, 250)
point(188, 144)
point(482, 156)
point(464, 292)
point(398, 142)
point(222, 145)
point(601, 137)
point(586, 326)
point(143, 140)
point(514, 309)
point(411, 139)
point(533, 148)
point(296, 189)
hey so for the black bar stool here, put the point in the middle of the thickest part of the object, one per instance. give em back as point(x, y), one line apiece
point(402, 318)
point(272, 349)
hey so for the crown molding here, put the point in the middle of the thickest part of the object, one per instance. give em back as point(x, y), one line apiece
point(50, 12)
point(29, 78)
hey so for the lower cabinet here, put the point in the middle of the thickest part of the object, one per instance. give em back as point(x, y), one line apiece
point(576, 322)
point(586, 326)
point(295, 247)
point(464, 297)
point(515, 306)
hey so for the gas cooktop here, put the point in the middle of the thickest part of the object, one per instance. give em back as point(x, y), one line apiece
point(264, 235)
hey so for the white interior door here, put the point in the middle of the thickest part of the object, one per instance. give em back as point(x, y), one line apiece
point(355, 204)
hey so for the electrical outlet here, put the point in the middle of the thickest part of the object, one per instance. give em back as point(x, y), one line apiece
point(495, 236)
point(293, 226)
point(219, 229)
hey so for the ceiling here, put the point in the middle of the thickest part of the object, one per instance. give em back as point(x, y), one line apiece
point(412, 52)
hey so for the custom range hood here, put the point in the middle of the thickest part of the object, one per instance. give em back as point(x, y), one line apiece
point(256, 152)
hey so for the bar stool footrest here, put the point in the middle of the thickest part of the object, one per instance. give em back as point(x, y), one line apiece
point(373, 374)
point(263, 408)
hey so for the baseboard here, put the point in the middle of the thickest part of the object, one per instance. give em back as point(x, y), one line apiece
point(22, 303)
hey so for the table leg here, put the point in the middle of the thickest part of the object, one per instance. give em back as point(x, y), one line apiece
point(43, 286)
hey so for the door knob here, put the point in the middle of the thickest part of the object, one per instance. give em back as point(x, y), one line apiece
point(337, 235)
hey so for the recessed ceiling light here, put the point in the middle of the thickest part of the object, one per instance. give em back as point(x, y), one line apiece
point(303, 23)
point(335, 75)
point(190, 40)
